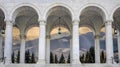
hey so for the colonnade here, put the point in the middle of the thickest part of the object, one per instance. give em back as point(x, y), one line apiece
point(43, 40)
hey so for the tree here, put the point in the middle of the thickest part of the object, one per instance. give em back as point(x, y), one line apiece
point(18, 57)
point(87, 57)
point(62, 59)
point(102, 57)
point(56, 59)
point(27, 57)
point(82, 58)
point(92, 55)
point(68, 60)
point(51, 58)
point(13, 57)
point(32, 58)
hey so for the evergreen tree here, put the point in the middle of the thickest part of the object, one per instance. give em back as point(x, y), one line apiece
point(27, 57)
point(92, 55)
point(87, 57)
point(68, 60)
point(56, 59)
point(102, 57)
point(13, 57)
point(62, 59)
point(18, 57)
point(51, 58)
point(82, 58)
point(32, 58)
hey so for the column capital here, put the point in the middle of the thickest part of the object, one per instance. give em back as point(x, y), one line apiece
point(42, 22)
point(22, 36)
point(108, 22)
point(9, 22)
point(97, 36)
point(76, 22)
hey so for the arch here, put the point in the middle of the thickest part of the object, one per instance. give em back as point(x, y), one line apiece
point(114, 10)
point(14, 11)
point(45, 15)
point(4, 11)
point(104, 11)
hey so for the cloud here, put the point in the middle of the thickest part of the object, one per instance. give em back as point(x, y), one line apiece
point(64, 40)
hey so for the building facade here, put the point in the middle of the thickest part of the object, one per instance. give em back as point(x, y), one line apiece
point(25, 14)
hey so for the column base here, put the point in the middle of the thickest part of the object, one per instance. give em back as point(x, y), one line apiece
point(7, 61)
point(111, 62)
point(76, 62)
point(41, 61)
point(97, 62)
point(47, 61)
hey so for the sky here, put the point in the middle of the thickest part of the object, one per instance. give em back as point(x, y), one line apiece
point(33, 33)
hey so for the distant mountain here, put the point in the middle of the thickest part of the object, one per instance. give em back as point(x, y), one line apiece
point(61, 44)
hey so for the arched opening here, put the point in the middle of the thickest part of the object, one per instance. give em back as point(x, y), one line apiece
point(58, 23)
point(25, 17)
point(93, 17)
point(116, 40)
point(2, 35)
point(87, 52)
point(60, 45)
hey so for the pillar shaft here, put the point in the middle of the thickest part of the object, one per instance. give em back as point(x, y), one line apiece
point(41, 51)
point(8, 42)
point(48, 49)
point(109, 42)
point(118, 36)
point(97, 48)
point(75, 43)
point(1, 47)
point(22, 49)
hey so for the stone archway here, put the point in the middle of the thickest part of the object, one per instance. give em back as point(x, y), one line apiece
point(2, 34)
point(116, 26)
point(58, 16)
point(25, 17)
point(93, 16)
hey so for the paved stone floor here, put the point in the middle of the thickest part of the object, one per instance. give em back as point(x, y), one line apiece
point(61, 65)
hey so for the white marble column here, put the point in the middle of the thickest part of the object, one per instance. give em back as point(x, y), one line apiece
point(75, 43)
point(48, 49)
point(8, 42)
point(22, 49)
point(41, 50)
point(97, 48)
point(1, 47)
point(109, 42)
point(118, 38)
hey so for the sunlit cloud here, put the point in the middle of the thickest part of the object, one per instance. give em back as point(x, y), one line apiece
point(84, 30)
point(33, 33)
point(55, 30)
